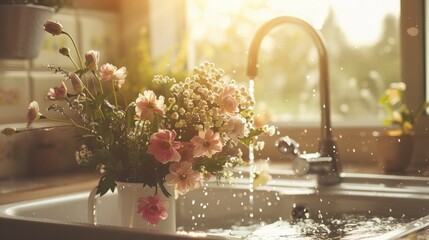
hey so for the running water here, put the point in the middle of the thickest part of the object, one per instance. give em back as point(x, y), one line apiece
point(252, 168)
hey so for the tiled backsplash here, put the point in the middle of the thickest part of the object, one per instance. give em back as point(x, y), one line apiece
point(22, 81)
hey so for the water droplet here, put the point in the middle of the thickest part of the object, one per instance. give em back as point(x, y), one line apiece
point(413, 31)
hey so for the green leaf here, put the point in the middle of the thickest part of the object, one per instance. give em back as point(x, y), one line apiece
point(253, 133)
point(212, 165)
point(106, 183)
point(131, 112)
point(103, 153)
point(164, 190)
point(99, 100)
point(384, 100)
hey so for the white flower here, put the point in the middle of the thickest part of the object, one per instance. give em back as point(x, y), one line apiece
point(235, 127)
point(84, 155)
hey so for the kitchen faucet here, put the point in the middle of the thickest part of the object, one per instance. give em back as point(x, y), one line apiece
point(325, 162)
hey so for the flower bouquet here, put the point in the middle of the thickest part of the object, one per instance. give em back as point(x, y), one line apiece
point(181, 133)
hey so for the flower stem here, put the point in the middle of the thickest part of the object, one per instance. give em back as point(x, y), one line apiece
point(69, 121)
point(75, 48)
point(89, 93)
point(99, 82)
point(114, 94)
point(73, 61)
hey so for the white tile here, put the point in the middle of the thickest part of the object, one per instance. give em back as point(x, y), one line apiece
point(12, 64)
point(100, 32)
point(14, 96)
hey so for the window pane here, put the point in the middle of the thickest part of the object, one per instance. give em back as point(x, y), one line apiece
point(362, 41)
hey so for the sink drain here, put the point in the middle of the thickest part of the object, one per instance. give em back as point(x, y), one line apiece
point(300, 212)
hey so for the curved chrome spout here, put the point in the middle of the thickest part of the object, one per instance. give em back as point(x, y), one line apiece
point(327, 146)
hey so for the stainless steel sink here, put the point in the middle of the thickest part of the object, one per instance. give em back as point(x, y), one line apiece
point(223, 206)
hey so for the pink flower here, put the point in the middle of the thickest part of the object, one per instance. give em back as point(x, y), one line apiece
point(147, 105)
point(57, 93)
point(184, 177)
point(152, 209)
point(186, 151)
point(53, 27)
point(33, 113)
point(92, 58)
point(227, 102)
point(206, 143)
point(76, 82)
point(109, 72)
point(163, 146)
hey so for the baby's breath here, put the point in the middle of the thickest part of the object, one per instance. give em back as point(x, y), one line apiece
point(84, 155)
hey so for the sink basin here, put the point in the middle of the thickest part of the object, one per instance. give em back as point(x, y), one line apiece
point(225, 211)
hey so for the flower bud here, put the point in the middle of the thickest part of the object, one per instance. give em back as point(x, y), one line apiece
point(33, 113)
point(65, 51)
point(91, 59)
point(76, 82)
point(53, 27)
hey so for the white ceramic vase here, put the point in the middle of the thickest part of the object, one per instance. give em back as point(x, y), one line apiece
point(128, 195)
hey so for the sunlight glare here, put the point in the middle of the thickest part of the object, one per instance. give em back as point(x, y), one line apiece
point(356, 18)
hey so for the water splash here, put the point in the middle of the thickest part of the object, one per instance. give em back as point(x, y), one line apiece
point(349, 226)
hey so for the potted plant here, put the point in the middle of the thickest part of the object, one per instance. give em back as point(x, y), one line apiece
point(395, 146)
point(20, 22)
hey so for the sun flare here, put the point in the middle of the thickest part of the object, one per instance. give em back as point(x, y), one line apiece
point(356, 18)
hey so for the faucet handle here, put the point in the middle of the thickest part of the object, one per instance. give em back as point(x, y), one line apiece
point(288, 147)
point(311, 163)
point(301, 166)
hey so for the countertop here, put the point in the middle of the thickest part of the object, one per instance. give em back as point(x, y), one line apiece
point(16, 190)
point(20, 189)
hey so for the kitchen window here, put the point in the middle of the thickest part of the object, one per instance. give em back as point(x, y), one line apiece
point(370, 44)
point(362, 41)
